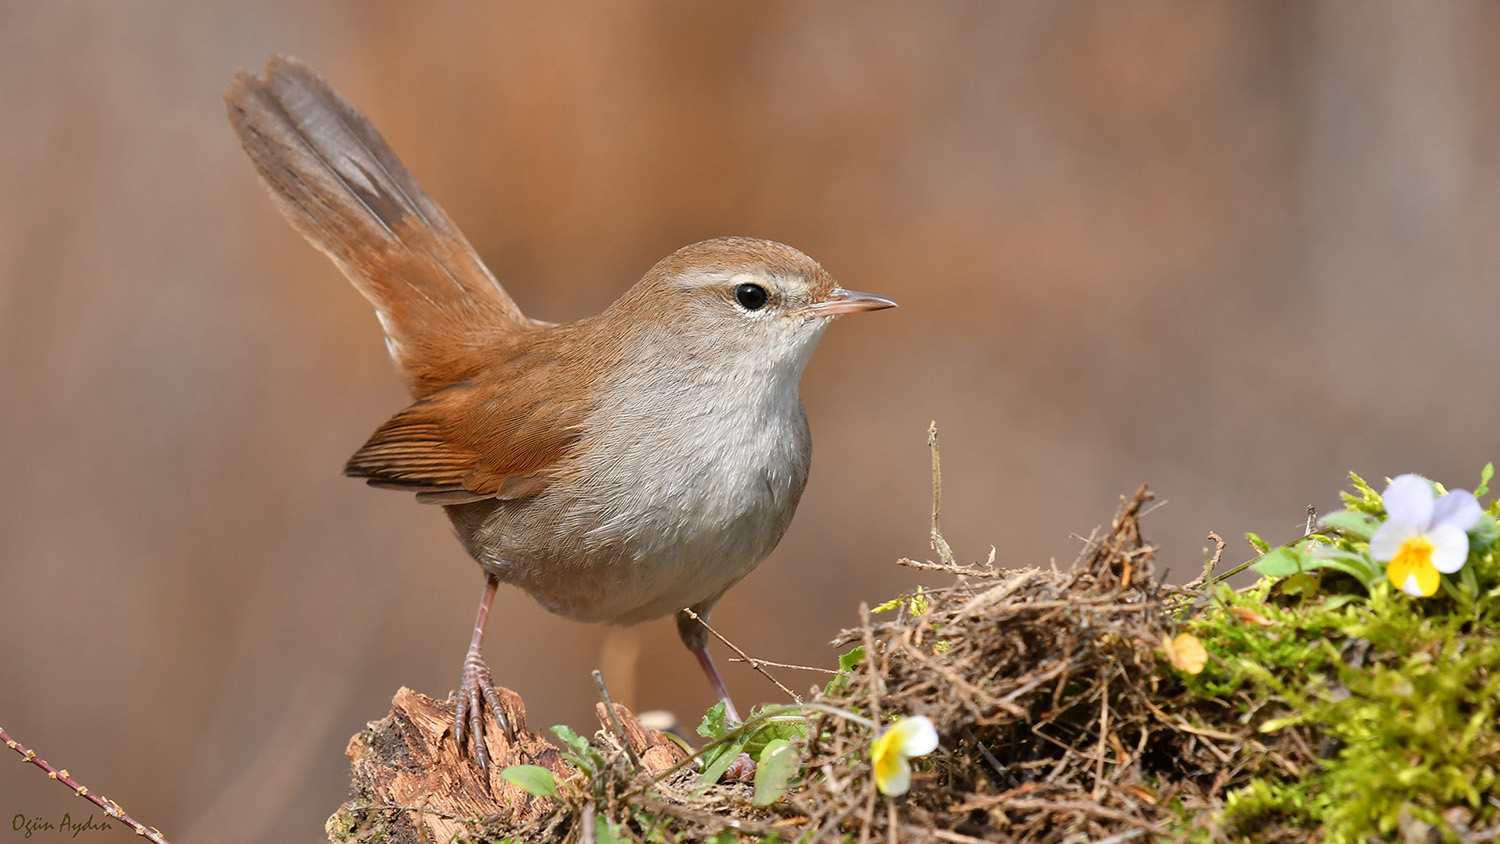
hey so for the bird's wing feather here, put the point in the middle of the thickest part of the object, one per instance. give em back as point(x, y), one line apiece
point(501, 437)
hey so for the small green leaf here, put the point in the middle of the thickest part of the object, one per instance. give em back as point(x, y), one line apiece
point(779, 762)
point(1485, 532)
point(1336, 601)
point(1301, 583)
point(849, 660)
point(713, 722)
point(1286, 560)
point(1358, 566)
point(780, 727)
point(1470, 582)
point(532, 779)
point(680, 742)
point(1351, 523)
point(919, 603)
point(717, 759)
point(888, 605)
point(579, 753)
point(1276, 724)
point(1484, 480)
point(605, 832)
point(723, 836)
point(846, 664)
point(576, 743)
point(1260, 545)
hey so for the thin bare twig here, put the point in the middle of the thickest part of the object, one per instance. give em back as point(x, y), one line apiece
point(614, 719)
point(1213, 562)
point(1025, 803)
point(586, 831)
point(110, 807)
point(754, 663)
point(787, 665)
point(688, 813)
point(952, 568)
point(955, 837)
point(1103, 731)
point(939, 544)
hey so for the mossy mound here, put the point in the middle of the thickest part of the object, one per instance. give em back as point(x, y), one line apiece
point(1097, 703)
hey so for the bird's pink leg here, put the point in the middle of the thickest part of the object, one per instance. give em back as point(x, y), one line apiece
point(695, 636)
point(476, 689)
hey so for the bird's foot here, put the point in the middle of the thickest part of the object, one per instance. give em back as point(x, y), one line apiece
point(742, 769)
point(474, 691)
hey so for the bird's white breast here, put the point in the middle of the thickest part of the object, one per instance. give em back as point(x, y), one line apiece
point(687, 479)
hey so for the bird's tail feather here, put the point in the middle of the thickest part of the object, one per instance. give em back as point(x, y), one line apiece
point(341, 186)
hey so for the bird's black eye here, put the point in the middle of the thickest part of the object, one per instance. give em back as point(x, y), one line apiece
point(752, 297)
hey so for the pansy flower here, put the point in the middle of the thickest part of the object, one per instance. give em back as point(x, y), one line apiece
point(906, 738)
point(1424, 535)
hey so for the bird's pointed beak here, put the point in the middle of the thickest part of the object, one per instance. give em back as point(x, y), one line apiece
point(841, 301)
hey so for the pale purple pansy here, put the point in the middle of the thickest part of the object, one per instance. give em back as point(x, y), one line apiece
point(1423, 534)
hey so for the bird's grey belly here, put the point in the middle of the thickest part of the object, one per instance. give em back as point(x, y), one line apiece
point(637, 541)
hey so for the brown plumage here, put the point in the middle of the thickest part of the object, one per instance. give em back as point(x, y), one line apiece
point(618, 468)
point(446, 318)
point(342, 187)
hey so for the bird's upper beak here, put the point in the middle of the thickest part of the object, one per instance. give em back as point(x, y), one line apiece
point(841, 301)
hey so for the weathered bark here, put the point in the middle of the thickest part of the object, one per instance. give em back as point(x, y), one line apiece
point(410, 785)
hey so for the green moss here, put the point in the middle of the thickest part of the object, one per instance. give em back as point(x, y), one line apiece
point(340, 827)
point(1392, 699)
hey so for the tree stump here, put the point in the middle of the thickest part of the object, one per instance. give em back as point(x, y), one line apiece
point(410, 785)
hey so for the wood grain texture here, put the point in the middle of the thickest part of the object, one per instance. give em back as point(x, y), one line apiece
point(408, 760)
point(408, 783)
point(657, 752)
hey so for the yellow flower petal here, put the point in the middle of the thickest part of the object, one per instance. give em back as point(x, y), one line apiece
point(888, 756)
point(1412, 570)
point(1185, 652)
point(892, 771)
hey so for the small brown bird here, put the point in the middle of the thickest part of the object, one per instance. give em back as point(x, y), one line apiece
point(619, 468)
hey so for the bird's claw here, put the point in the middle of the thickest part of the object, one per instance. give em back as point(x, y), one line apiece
point(474, 691)
point(742, 769)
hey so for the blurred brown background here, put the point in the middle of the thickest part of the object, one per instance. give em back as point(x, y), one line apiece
point(1233, 249)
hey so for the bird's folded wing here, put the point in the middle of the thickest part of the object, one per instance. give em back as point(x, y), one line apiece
point(467, 443)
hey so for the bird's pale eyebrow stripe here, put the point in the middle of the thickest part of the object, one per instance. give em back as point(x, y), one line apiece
point(722, 279)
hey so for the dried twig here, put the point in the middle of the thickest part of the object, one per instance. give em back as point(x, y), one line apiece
point(614, 720)
point(939, 544)
point(947, 568)
point(758, 665)
point(1213, 562)
point(792, 666)
point(110, 807)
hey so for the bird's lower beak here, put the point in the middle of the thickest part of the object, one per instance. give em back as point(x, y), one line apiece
point(841, 301)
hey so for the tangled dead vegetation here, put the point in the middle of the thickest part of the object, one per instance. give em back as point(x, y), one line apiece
point(1046, 689)
point(1046, 686)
